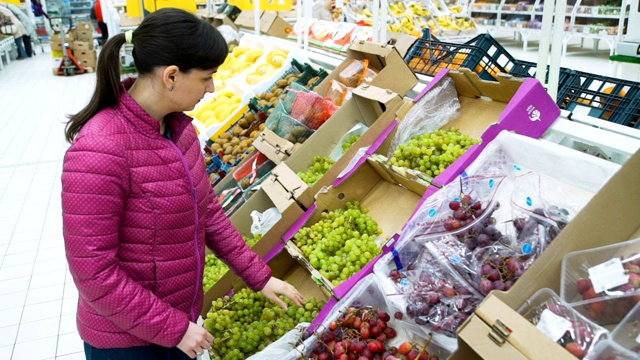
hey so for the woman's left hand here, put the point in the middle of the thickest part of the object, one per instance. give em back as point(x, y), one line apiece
point(276, 287)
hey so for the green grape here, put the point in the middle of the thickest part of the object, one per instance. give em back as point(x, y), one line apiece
point(319, 167)
point(432, 153)
point(215, 268)
point(251, 322)
point(341, 243)
point(349, 142)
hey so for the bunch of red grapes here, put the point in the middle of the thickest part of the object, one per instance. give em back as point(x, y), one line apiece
point(466, 210)
point(361, 333)
point(439, 304)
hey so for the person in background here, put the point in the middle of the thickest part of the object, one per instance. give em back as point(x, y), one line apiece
point(20, 34)
point(138, 208)
point(38, 11)
point(322, 9)
point(96, 14)
point(29, 26)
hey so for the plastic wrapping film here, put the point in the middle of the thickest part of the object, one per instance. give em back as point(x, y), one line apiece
point(288, 347)
point(434, 110)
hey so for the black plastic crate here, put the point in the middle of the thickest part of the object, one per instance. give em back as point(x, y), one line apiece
point(481, 54)
point(523, 68)
point(632, 113)
point(601, 97)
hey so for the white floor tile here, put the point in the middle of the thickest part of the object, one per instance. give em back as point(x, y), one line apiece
point(13, 300)
point(69, 306)
point(70, 290)
point(21, 247)
point(3, 248)
point(45, 310)
point(50, 242)
point(10, 317)
point(8, 335)
point(14, 285)
point(31, 234)
point(57, 252)
point(6, 229)
point(28, 257)
point(76, 356)
point(38, 330)
point(6, 351)
point(47, 279)
point(12, 272)
point(42, 267)
point(69, 344)
point(40, 295)
point(68, 324)
point(38, 349)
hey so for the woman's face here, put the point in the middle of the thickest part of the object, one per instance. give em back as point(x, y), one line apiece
point(191, 87)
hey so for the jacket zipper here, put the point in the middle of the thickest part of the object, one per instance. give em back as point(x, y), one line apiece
point(197, 217)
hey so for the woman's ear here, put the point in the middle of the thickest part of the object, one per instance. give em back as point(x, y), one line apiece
point(169, 76)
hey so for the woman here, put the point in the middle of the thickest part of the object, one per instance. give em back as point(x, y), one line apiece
point(20, 35)
point(29, 27)
point(137, 205)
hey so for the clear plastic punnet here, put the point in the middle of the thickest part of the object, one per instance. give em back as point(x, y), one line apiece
point(627, 333)
point(561, 323)
point(603, 283)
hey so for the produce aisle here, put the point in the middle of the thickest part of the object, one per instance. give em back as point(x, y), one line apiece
point(37, 296)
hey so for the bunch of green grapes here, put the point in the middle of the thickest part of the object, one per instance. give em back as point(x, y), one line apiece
point(248, 322)
point(432, 153)
point(350, 141)
point(341, 243)
point(320, 166)
point(215, 268)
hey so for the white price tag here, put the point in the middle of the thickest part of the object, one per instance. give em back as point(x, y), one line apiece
point(553, 325)
point(608, 275)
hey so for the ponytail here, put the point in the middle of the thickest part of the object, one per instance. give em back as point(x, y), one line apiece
point(107, 91)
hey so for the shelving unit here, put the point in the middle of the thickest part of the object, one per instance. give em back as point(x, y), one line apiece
point(589, 19)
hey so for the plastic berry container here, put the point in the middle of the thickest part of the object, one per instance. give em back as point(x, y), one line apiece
point(603, 283)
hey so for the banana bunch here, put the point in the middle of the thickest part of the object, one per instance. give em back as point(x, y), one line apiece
point(465, 23)
point(366, 12)
point(397, 9)
point(418, 10)
point(446, 22)
point(455, 9)
point(275, 59)
point(217, 110)
point(394, 27)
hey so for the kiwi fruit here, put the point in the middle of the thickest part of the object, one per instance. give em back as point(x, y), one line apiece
point(263, 96)
point(250, 117)
point(213, 177)
point(270, 111)
point(215, 147)
point(262, 102)
point(235, 141)
point(251, 149)
point(254, 134)
point(302, 139)
point(243, 123)
point(207, 160)
point(225, 136)
point(237, 150)
point(269, 97)
point(282, 83)
point(291, 138)
point(298, 130)
point(277, 92)
point(227, 158)
point(222, 141)
point(236, 130)
point(228, 149)
point(245, 143)
point(245, 183)
point(244, 156)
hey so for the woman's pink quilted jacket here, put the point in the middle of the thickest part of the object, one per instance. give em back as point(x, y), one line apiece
point(138, 210)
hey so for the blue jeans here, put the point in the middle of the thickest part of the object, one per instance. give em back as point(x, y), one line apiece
point(20, 44)
point(155, 352)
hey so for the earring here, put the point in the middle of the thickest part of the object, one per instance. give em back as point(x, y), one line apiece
point(171, 88)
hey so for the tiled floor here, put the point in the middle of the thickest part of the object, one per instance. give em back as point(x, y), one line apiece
point(37, 296)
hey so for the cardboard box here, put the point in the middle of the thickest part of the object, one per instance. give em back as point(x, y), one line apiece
point(246, 20)
point(271, 243)
point(88, 63)
point(370, 186)
point(85, 55)
point(273, 25)
point(599, 223)
point(285, 268)
point(82, 46)
point(84, 35)
point(402, 42)
point(127, 21)
point(56, 40)
point(84, 25)
point(394, 74)
point(222, 19)
point(486, 108)
point(370, 106)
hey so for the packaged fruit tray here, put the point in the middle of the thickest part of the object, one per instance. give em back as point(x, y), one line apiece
point(362, 325)
point(603, 283)
point(627, 333)
point(561, 323)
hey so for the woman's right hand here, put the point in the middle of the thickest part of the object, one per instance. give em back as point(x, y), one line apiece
point(196, 341)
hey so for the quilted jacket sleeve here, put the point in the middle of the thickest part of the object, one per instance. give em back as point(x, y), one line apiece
point(94, 186)
point(227, 243)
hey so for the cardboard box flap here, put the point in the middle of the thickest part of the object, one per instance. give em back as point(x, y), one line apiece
point(273, 146)
point(402, 42)
point(286, 268)
point(473, 343)
point(383, 96)
point(369, 48)
point(469, 84)
point(282, 198)
point(524, 336)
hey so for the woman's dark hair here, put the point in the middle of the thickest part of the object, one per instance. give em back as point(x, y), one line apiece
point(166, 37)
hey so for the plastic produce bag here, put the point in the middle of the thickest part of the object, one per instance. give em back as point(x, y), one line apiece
point(435, 109)
point(356, 72)
point(312, 109)
point(228, 33)
point(338, 92)
point(561, 323)
point(263, 222)
point(356, 131)
point(283, 348)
